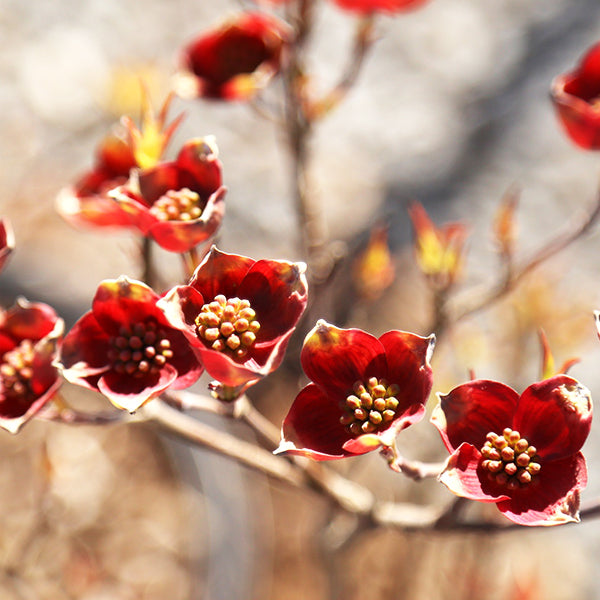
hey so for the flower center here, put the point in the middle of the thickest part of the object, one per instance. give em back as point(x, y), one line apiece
point(177, 205)
point(140, 350)
point(371, 407)
point(16, 371)
point(509, 459)
point(228, 324)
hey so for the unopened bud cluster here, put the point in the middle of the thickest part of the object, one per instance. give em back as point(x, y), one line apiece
point(177, 205)
point(16, 370)
point(509, 459)
point(228, 324)
point(370, 408)
point(139, 351)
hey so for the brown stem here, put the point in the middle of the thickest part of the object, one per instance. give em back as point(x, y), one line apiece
point(363, 40)
point(517, 273)
point(147, 266)
point(346, 494)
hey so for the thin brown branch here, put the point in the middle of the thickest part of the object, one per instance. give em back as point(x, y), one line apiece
point(572, 232)
point(60, 414)
point(363, 41)
point(303, 473)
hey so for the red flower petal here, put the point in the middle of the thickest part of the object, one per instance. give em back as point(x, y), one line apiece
point(130, 393)
point(554, 498)
point(181, 306)
point(121, 302)
point(220, 273)
point(278, 291)
point(7, 241)
point(199, 157)
point(464, 477)
point(312, 426)
point(472, 410)
point(388, 6)
point(555, 415)
point(83, 352)
point(408, 357)
point(337, 358)
point(29, 320)
point(575, 96)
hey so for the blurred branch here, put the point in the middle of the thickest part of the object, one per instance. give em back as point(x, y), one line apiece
point(477, 301)
point(303, 473)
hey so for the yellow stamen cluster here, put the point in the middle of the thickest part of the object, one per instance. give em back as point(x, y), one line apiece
point(140, 350)
point(177, 205)
point(228, 324)
point(370, 408)
point(16, 370)
point(509, 459)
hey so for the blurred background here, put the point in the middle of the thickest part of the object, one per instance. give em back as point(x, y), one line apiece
point(452, 108)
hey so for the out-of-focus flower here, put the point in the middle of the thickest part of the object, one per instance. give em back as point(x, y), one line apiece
point(548, 364)
point(7, 241)
point(576, 98)
point(239, 314)
point(373, 269)
point(86, 203)
point(29, 335)
point(439, 250)
point(179, 203)
point(364, 391)
point(520, 452)
point(126, 349)
point(235, 60)
point(504, 225)
point(372, 6)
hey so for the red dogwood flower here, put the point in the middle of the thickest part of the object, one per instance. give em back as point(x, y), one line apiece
point(180, 203)
point(521, 452)
point(234, 60)
point(29, 335)
point(7, 241)
point(125, 348)
point(576, 98)
point(364, 391)
point(239, 314)
point(387, 6)
point(87, 203)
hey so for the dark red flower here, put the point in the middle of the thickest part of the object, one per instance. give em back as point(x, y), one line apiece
point(387, 6)
point(87, 202)
point(521, 452)
point(180, 203)
point(29, 335)
point(234, 60)
point(126, 349)
point(365, 390)
point(576, 98)
point(239, 314)
point(7, 241)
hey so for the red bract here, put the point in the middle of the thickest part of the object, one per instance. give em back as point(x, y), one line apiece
point(521, 452)
point(126, 349)
point(180, 203)
point(29, 334)
point(387, 6)
point(234, 60)
point(576, 97)
point(239, 314)
point(365, 390)
point(87, 202)
point(7, 242)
